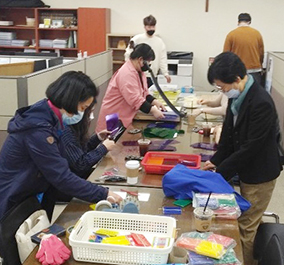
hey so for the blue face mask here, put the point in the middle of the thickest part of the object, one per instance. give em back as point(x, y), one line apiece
point(73, 119)
point(233, 93)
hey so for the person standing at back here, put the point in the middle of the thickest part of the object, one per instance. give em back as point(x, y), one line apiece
point(247, 43)
point(156, 43)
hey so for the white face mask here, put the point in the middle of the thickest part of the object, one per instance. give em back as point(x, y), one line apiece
point(233, 93)
point(73, 119)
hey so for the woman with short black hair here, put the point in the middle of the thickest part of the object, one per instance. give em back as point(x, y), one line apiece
point(248, 145)
point(31, 159)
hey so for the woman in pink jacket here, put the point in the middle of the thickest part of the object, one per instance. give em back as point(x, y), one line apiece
point(127, 91)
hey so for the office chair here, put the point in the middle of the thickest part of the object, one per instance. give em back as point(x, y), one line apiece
point(269, 242)
point(9, 225)
point(273, 253)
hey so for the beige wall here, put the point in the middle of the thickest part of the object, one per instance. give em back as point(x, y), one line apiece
point(184, 24)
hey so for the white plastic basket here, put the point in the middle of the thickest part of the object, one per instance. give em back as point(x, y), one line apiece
point(148, 225)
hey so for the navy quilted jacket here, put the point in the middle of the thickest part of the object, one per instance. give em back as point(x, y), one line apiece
point(31, 160)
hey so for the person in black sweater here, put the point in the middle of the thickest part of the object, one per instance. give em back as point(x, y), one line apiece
point(248, 145)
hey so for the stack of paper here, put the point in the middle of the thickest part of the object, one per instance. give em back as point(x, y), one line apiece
point(6, 23)
point(20, 43)
point(46, 43)
point(60, 43)
point(6, 38)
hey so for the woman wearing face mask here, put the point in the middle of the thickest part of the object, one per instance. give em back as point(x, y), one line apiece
point(127, 91)
point(31, 159)
point(248, 144)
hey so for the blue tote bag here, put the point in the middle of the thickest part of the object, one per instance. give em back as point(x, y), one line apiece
point(181, 181)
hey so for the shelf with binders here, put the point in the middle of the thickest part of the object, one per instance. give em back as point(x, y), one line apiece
point(70, 29)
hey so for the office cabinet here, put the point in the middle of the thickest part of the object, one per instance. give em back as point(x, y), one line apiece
point(13, 27)
point(117, 43)
point(65, 31)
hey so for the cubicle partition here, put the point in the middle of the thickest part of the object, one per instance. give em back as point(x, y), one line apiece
point(20, 91)
point(275, 77)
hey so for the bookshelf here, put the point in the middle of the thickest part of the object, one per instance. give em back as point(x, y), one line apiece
point(117, 43)
point(65, 31)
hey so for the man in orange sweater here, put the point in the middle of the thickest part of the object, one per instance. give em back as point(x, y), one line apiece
point(247, 43)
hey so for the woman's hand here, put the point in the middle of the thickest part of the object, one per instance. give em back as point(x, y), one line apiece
point(196, 112)
point(157, 113)
point(159, 105)
point(103, 134)
point(109, 144)
point(202, 101)
point(168, 78)
point(113, 197)
point(209, 166)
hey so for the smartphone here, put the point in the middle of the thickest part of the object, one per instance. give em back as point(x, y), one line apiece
point(117, 132)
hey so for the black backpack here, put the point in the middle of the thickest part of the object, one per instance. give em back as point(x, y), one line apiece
point(22, 3)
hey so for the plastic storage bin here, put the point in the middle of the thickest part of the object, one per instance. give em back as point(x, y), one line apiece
point(162, 162)
point(148, 225)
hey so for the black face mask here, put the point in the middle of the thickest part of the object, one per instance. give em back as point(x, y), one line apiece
point(150, 32)
point(145, 67)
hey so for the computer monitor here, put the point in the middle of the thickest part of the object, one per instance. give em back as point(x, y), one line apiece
point(55, 61)
point(39, 65)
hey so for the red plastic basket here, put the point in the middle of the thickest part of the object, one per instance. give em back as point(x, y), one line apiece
point(162, 162)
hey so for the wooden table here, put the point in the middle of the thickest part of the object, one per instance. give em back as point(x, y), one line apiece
point(116, 158)
point(148, 183)
point(157, 200)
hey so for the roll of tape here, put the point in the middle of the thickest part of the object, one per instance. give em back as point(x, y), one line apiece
point(104, 204)
point(69, 230)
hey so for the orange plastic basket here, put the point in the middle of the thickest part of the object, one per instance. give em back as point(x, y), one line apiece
point(162, 162)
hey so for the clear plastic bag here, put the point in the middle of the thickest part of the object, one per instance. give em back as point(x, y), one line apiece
point(208, 244)
point(224, 205)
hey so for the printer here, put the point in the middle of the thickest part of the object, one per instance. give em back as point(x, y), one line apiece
point(180, 66)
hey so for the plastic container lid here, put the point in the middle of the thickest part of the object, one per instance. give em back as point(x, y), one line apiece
point(132, 164)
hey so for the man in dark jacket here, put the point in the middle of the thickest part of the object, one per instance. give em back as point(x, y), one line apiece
point(248, 145)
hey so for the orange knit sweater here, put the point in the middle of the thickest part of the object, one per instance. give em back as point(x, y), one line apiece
point(247, 43)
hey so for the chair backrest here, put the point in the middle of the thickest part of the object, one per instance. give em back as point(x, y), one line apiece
point(9, 224)
point(273, 253)
point(264, 233)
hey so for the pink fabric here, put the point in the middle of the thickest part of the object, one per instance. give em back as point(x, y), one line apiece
point(56, 111)
point(124, 95)
point(52, 251)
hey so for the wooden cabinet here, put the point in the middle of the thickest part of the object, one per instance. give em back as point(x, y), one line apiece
point(65, 31)
point(117, 43)
point(17, 30)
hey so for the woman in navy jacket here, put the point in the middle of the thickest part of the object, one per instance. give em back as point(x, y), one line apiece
point(248, 146)
point(31, 160)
